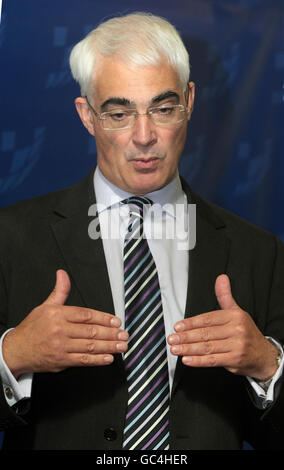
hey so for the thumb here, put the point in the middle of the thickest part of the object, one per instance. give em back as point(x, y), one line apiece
point(223, 292)
point(61, 289)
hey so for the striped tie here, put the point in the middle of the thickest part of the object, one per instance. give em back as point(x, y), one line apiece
point(147, 418)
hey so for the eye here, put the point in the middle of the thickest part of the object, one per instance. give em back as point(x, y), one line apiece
point(164, 110)
point(118, 115)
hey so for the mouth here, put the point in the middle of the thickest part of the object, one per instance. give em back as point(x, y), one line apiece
point(145, 163)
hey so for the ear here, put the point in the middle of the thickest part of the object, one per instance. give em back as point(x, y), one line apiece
point(190, 100)
point(85, 114)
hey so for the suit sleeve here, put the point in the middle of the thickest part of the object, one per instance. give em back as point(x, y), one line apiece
point(275, 329)
point(9, 416)
point(270, 424)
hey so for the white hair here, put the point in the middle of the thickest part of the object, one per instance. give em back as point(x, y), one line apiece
point(138, 39)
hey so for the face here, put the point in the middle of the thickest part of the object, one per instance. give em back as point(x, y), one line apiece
point(145, 157)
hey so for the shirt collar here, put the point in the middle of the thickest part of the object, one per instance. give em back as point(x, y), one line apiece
point(108, 195)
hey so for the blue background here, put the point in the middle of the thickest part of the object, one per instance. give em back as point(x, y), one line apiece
point(234, 150)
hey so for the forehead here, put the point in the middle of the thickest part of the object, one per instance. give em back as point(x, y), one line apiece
point(138, 84)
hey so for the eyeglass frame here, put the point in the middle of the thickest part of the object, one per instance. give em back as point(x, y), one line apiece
point(135, 113)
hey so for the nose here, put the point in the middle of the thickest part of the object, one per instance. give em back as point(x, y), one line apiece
point(144, 131)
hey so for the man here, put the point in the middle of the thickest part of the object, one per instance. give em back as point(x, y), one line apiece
point(64, 348)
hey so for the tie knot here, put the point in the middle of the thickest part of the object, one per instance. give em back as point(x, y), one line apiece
point(137, 204)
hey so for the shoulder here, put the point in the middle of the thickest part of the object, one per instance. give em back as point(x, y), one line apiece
point(236, 228)
point(68, 200)
point(233, 222)
point(39, 205)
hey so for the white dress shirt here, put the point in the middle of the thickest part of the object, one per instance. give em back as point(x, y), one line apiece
point(170, 252)
point(169, 245)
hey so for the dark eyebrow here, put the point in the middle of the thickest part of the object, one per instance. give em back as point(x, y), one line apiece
point(164, 96)
point(116, 100)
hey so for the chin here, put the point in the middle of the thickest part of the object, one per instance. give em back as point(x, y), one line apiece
point(149, 187)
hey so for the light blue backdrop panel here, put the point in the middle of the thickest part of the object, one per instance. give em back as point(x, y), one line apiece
point(234, 151)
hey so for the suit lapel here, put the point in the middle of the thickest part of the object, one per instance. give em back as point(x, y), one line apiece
point(84, 257)
point(206, 261)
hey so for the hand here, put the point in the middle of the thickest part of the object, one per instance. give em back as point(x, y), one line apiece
point(225, 338)
point(54, 336)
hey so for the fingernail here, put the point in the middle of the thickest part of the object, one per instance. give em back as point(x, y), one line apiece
point(123, 335)
point(187, 360)
point(121, 347)
point(174, 339)
point(108, 359)
point(115, 322)
point(176, 349)
point(179, 326)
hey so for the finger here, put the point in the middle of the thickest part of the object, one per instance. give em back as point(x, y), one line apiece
point(96, 346)
point(61, 289)
point(90, 331)
point(201, 334)
point(90, 316)
point(223, 292)
point(202, 348)
point(210, 360)
point(204, 320)
point(89, 360)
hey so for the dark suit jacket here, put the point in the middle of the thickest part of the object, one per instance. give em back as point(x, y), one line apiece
point(84, 408)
